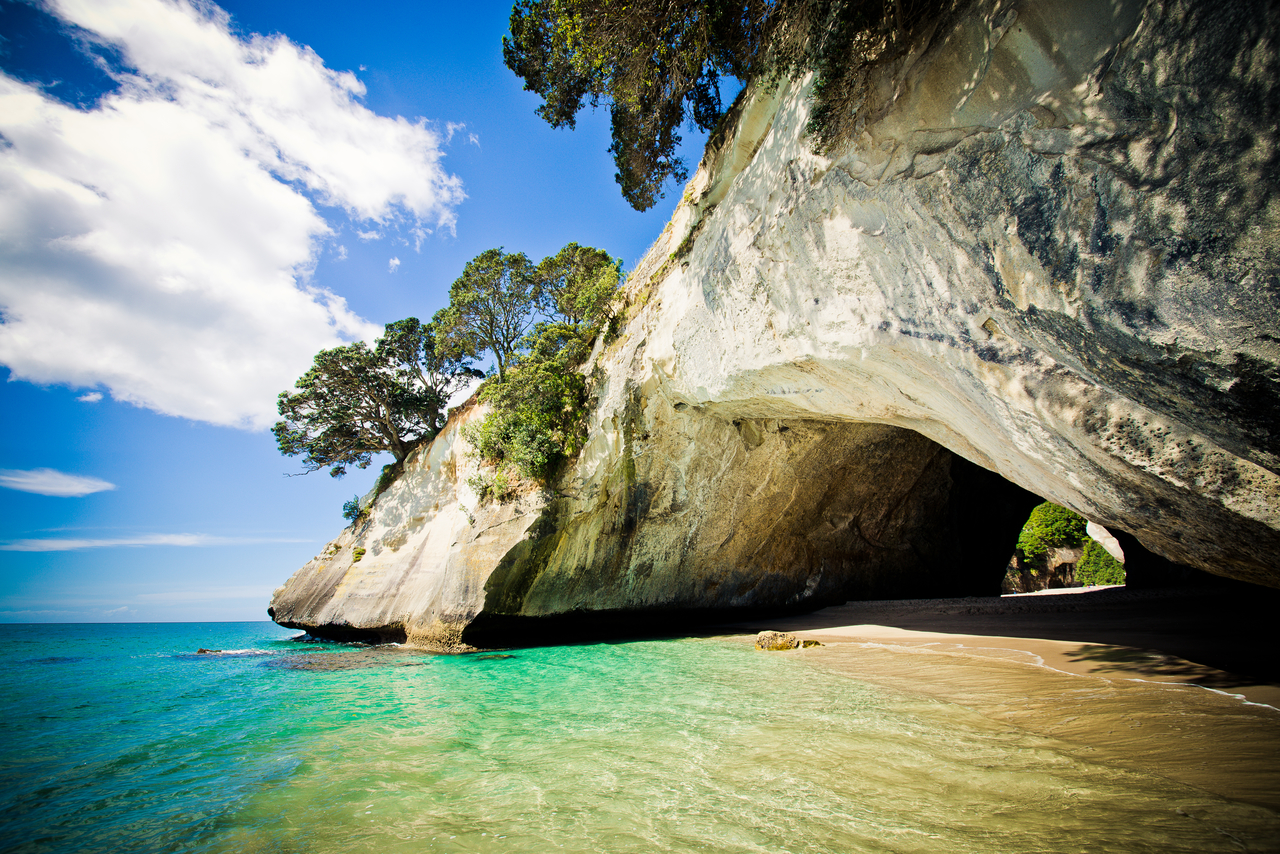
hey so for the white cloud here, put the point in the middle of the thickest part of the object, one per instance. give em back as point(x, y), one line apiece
point(91, 397)
point(161, 244)
point(121, 611)
point(452, 128)
point(68, 545)
point(52, 482)
point(341, 253)
point(463, 394)
point(368, 235)
point(392, 265)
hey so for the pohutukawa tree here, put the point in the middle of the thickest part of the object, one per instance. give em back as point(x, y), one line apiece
point(658, 64)
point(577, 283)
point(491, 305)
point(356, 401)
point(540, 406)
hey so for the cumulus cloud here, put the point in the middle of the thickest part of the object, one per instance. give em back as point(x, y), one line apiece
point(161, 244)
point(91, 397)
point(54, 544)
point(369, 235)
point(393, 265)
point(52, 482)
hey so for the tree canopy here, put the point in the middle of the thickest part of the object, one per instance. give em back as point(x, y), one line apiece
point(1049, 526)
point(491, 305)
point(538, 322)
point(576, 284)
point(356, 401)
point(660, 63)
point(1097, 566)
point(539, 407)
point(657, 63)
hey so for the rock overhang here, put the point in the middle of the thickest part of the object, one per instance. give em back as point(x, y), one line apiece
point(1016, 269)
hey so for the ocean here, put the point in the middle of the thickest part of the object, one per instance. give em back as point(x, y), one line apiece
point(122, 738)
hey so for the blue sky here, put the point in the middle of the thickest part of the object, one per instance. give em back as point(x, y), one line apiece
point(193, 201)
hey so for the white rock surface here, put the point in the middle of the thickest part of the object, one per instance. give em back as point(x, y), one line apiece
point(429, 544)
point(1052, 249)
point(1053, 253)
point(1106, 539)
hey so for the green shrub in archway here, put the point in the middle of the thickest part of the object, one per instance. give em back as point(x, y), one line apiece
point(1050, 526)
point(1097, 566)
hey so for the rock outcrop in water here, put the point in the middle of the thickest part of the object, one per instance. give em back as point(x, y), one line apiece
point(1052, 252)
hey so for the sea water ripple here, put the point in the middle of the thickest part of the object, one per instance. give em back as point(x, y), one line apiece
point(123, 738)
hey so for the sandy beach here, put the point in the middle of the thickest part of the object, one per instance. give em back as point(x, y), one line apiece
point(1180, 682)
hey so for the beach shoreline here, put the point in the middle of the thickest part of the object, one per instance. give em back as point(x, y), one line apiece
point(1220, 639)
point(1176, 682)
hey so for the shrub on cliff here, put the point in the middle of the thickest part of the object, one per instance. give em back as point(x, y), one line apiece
point(1047, 527)
point(351, 510)
point(538, 412)
point(540, 405)
point(1097, 566)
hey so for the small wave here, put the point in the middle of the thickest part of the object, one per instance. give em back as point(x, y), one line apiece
point(1241, 698)
point(224, 653)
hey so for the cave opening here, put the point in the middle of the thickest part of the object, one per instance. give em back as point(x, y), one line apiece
point(793, 523)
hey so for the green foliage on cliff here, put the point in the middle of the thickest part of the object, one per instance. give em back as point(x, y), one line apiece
point(1097, 566)
point(539, 406)
point(537, 321)
point(659, 64)
point(538, 411)
point(351, 510)
point(655, 62)
point(577, 284)
point(1050, 526)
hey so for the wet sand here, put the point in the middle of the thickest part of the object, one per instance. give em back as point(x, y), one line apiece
point(1182, 683)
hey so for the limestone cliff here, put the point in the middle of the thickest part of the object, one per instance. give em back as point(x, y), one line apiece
point(1051, 251)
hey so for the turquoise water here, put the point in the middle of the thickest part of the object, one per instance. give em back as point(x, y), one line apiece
point(120, 738)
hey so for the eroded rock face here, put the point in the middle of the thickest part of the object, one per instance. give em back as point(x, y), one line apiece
point(693, 511)
point(688, 514)
point(1052, 251)
point(430, 545)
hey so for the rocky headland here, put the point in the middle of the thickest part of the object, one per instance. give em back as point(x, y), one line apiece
point(1046, 265)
